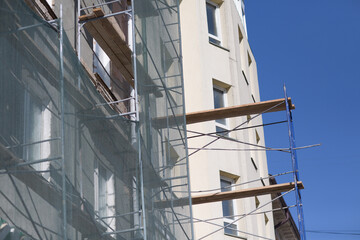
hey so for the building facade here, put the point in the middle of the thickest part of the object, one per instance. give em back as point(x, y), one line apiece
point(94, 142)
point(220, 71)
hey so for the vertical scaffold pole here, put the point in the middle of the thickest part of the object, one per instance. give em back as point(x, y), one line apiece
point(184, 119)
point(78, 36)
point(61, 62)
point(136, 91)
point(295, 168)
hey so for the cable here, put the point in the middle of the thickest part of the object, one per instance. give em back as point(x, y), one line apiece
point(238, 215)
point(267, 148)
point(239, 149)
point(239, 184)
point(238, 219)
point(222, 137)
point(227, 131)
point(334, 232)
point(218, 225)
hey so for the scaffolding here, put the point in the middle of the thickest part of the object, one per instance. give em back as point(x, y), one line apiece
point(277, 190)
point(74, 165)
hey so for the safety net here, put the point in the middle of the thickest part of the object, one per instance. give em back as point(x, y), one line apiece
point(72, 166)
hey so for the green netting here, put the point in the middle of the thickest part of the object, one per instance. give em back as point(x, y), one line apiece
point(162, 121)
point(114, 168)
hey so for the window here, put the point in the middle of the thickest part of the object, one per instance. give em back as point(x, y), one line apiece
point(248, 118)
point(101, 63)
point(257, 136)
point(240, 6)
point(243, 12)
point(38, 117)
point(241, 36)
point(249, 59)
point(254, 164)
point(228, 207)
point(247, 82)
point(266, 219)
point(257, 202)
point(213, 20)
point(220, 102)
point(104, 195)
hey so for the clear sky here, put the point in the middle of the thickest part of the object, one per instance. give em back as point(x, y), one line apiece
point(314, 46)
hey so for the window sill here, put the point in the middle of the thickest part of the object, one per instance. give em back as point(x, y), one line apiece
point(234, 236)
point(217, 45)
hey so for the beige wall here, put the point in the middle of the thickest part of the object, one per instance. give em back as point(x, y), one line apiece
point(203, 63)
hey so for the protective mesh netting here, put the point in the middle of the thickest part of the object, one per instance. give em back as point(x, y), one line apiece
point(109, 178)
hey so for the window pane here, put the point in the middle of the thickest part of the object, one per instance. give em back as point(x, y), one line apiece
point(211, 18)
point(221, 131)
point(218, 98)
point(102, 191)
point(228, 208)
point(219, 103)
point(215, 41)
point(231, 229)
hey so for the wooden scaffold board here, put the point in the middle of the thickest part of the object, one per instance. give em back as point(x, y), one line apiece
point(244, 193)
point(235, 194)
point(240, 110)
point(112, 40)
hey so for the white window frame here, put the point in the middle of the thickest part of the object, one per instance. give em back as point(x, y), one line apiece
point(110, 196)
point(230, 220)
point(42, 128)
point(217, 124)
point(240, 6)
point(217, 22)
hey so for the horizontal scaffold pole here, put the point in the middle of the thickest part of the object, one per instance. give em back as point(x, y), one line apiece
point(230, 195)
point(236, 111)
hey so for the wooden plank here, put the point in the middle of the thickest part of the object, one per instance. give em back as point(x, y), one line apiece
point(105, 88)
point(235, 111)
point(112, 40)
point(109, 51)
point(244, 193)
point(97, 12)
point(114, 33)
point(222, 196)
point(226, 112)
point(119, 47)
point(87, 17)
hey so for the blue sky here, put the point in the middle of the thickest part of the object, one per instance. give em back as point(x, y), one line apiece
point(314, 46)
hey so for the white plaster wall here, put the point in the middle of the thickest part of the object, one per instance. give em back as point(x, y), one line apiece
point(202, 63)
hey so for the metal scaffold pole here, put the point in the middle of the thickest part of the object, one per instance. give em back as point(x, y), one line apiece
point(61, 62)
point(295, 167)
point(137, 124)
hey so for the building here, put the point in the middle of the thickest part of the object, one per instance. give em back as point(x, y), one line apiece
point(285, 226)
point(93, 129)
point(220, 71)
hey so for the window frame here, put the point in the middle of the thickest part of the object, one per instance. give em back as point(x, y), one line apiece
point(218, 40)
point(40, 119)
point(234, 209)
point(109, 197)
point(101, 63)
point(224, 95)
